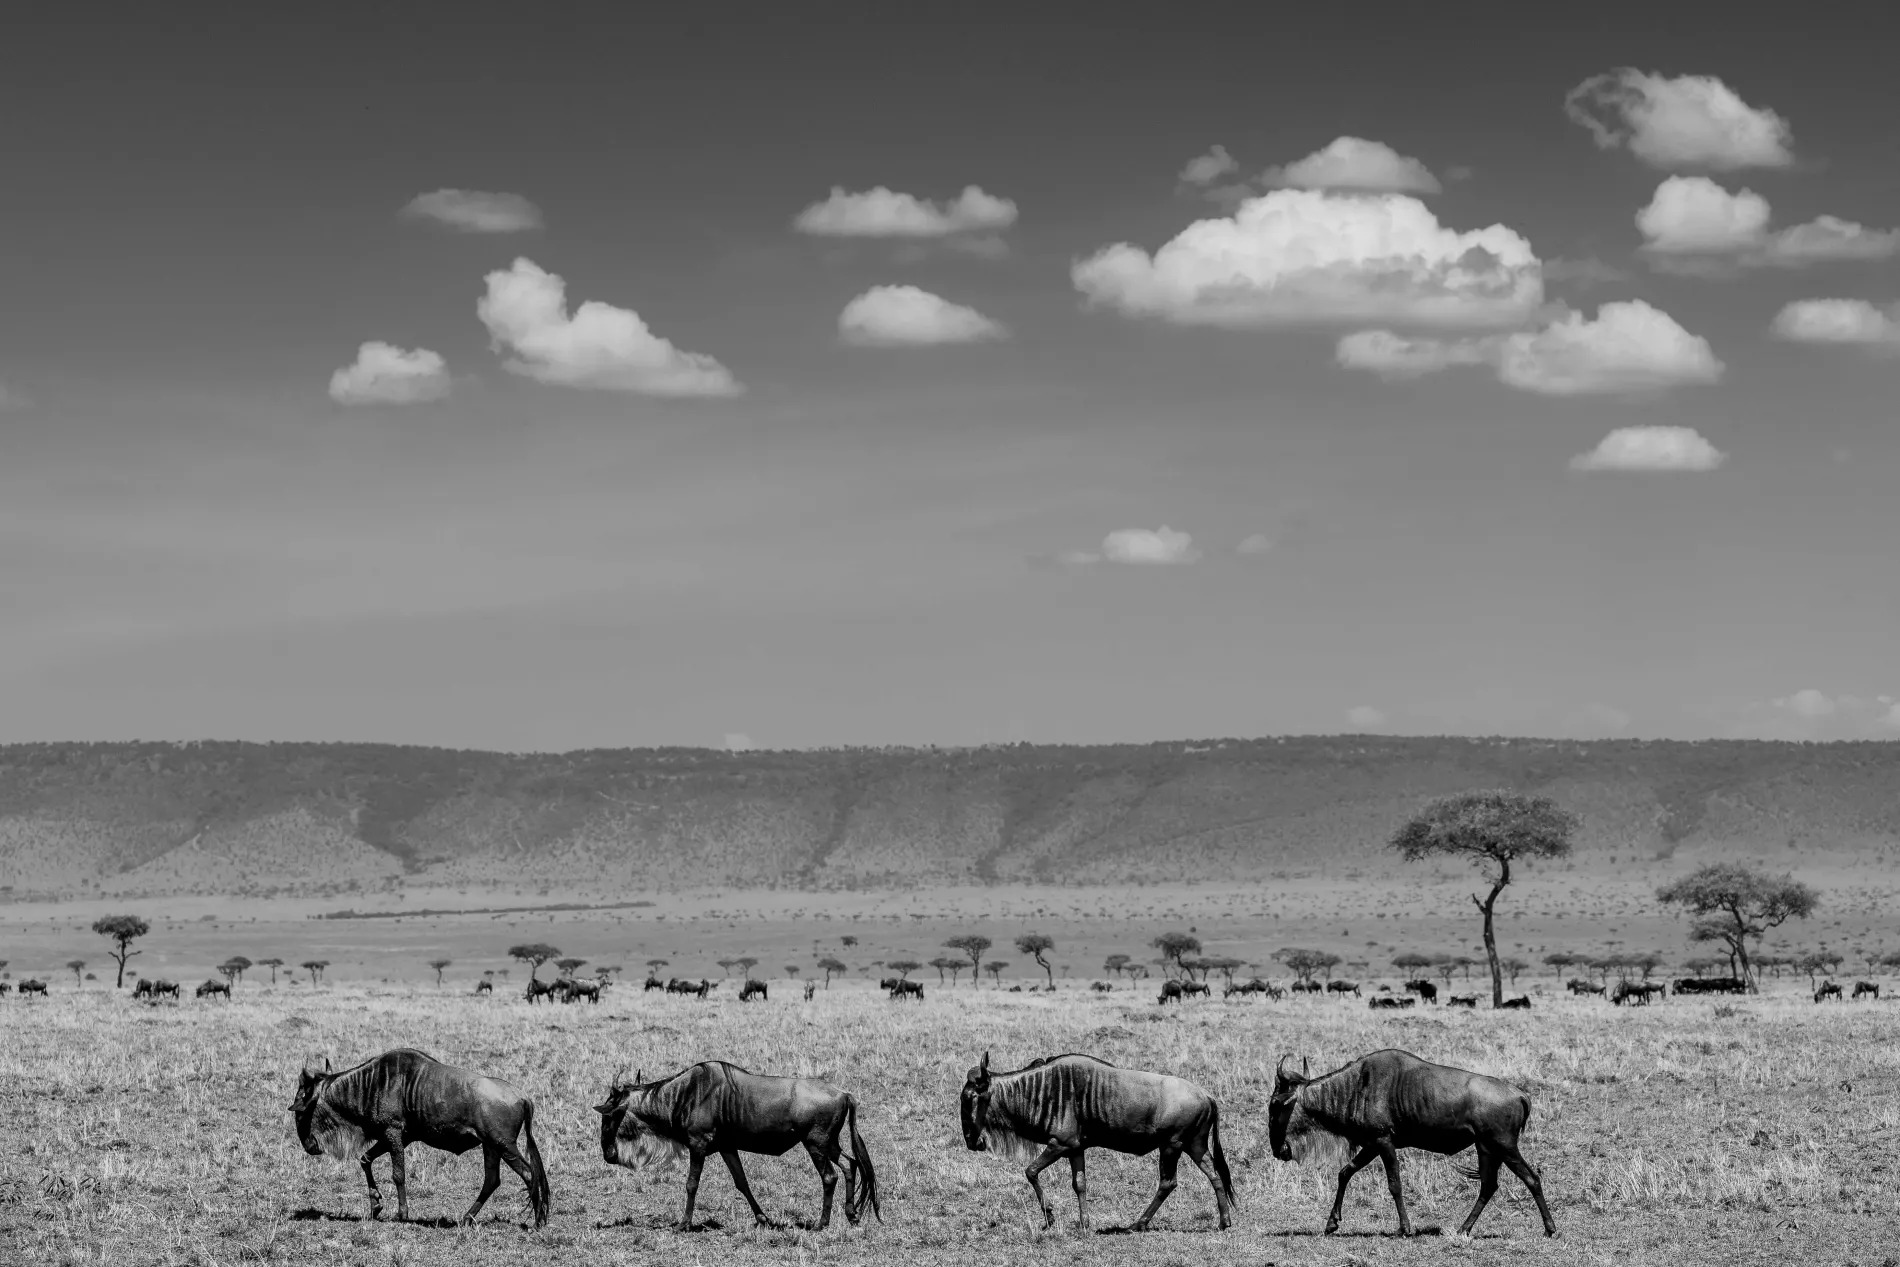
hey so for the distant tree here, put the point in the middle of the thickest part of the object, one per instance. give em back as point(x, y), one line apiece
point(1173, 946)
point(1832, 958)
point(1223, 964)
point(1703, 964)
point(1646, 963)
point(568, 965)
point(1558, 960)
point(1193, 967)
point(273, 964)
point(1464, 964)
point(1411, 962)
point(1306, 964)
point(607, 971)
point(943, 964)
point(78, 966)
point(438, 965)
point(1813, 963)
point(534, 954)
point(726, 965)
point(746, 964)
point(123, 930)
point(233, 969)
point(847, 941)
point(1735, 903)
point(995, 968)
point(1492, 829)
point(973, 945)
point(1036, 945)
point(315, 968)
point(1511, 969)
point(1115, 964)
point(791, 969)
point(831, 968)
point(1889, 960)
point(903, 967)
point(654, 965)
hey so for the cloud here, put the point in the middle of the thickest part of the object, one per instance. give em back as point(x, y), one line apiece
point(1300, 257)
point(473, 211)
point(1651, 449)
point(1257, 543)
point(1815, 714)
point(1846, 321)
point(1686, 122)
point(1693, 225)
point(1162, 545)
point(599, 347)
point(1351, 163)
point(1582, 272)
point(885, 213)
point(1365, 717)
point(1209, 167)
point(1809, 703)
point(735, 742)
point(384, 374)
point(1627, 347)
point(904, 316)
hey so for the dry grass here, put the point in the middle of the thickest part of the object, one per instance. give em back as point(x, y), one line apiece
point(1665, 1135)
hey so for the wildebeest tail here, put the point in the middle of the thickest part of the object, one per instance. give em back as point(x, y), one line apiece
point(539, 1195)
point(1220, 1158)
point(861, 1179)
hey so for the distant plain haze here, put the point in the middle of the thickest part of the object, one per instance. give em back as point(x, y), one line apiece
point(607, 380)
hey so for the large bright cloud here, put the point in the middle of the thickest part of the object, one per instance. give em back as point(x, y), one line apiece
point(1848, 321)
point(1651, 449)
point(1139, 547)
point(475, 211)
point(1353, 163)
point(1627, 347)
point(885, 213)
point(904, 316)
point(1687, 122)
point(599, 346)
point(384, 374)
point(1693, 224)
point(1301, 257)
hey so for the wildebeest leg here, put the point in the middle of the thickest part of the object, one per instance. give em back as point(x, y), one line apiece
point(1487, 1185)
point(1197, 1153)
point(745, 1189)
point(1523, 1170)
point(695, 1163)
point(1346, 1172)
point(491, 1180)
point(1391, 1156)
point(400, 1173)
point(369, 1176)
point(1170, 1158)
point(1079, 1180)
point(1032, 1172)
point(827, 1175)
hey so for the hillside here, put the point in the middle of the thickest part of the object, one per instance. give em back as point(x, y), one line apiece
point(147, 818)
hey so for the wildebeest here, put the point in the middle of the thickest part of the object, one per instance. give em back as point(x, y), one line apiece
point(1390, 1000)
point(1307, 987)
point(1390, 1100)
point(908, 989)
point(154, 988)
point(1101, 987)
point(6, 987)
point(653, 983)
point(540, 990)
point(1710, 985)
point(484, 986)
point(701, 988)
point(1189, 988)
point(1462, 1000)
point(811, 988)
point(753, 990)
point(1255, 986)
point(1828, 990)
point(1343, 987)
point(404, 1097)
point(1423, 988)
point(1067, 1104)
point(214, 987)
point(1170, 992)
point(1866, 987)
point(716, 1107)
point(1578, 986)
point(32, 985)
point(1522, 1002)
point(1637, 991)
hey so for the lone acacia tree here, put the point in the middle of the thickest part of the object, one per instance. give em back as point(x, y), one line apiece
point(273, 964)
point(903, 967)
point(1035, 945)
point(831, 967)
point(438, 965)
point(1491, 829)
point(1736, 903)
point(1114, 964)
point(1412, 962)
point(973, 945)
point(78, 966)
point(233, 968)
point(746, 964)
point(1173, 946)
point(315, 968)
point(123, 930)
point(1306, 964)
point(534, 954)
point(568, 965)
point(995, 968)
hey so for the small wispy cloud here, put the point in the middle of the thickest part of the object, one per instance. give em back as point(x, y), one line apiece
point(1845, 322)
point(384, 374)
point(905, 316)
point(1651, 449)
point(886, 213)
point(1364, 717)
point(475, 211)
point(1138, 547)
point(1686, 122)
point(1255, 544)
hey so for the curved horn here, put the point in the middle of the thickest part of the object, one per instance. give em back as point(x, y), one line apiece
point(326, 1064)
point(984, 1068)
point(1279, 1070)
point(1305, 1068)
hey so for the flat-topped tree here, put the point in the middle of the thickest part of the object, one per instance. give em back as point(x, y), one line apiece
point(973, 945)
point(1491, 829)
point(725, 965)
point(1114, 964)
point(1306, 964)
point(1175, 945)
point(943, 964)
point(438, 965)
point(831, 967)
point(1412, 962)
point(233, 969)
point(1558, 960)
point(903, 967)
point(746, 964)
point(1036, 945)
point(568, 965)
point(791, 970)
point(654, 965)
point(995, 968)
point(1735, 902)
point(123, 930)
point(273, 964)
point(1512, 967)
point(534, 954)
point(315, 968)
point(78, 967)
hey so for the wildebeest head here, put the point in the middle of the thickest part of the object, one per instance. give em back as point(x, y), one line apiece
point(976, 1107)
point(319, 1129)
point(1282, 1107)
point(628, 1121)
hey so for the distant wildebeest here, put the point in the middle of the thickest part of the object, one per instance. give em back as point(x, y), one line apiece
point(715, 1107)
point(1307, 987)
point(653, 983)
point(1343, 987)
point(540, 990)
point(908, 989)
point(589, 990)
point(753, 990)
point(1522, 1002)
point(1578, 986)
point(155, 988)
point(811, 989)
point(1060, 1106)
point(404, 1097)
point(1255, 986)
point(214, 987)
point(1710, 985)
point(1195, 987)
point(33, 985)
point(1636, 992)
point(1101, 987)
point(484, 986)
point(1170, 992)
point(1390, 1100)
point(1828, 990)
point(5, 988)
point(1015, 989)
point(1390, 1000)
point(1423, 988)
point(1462, 1000)
point(677, 985)
point(888, 983)
point(1866, 987)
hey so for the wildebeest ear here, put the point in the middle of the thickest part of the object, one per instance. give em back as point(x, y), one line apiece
point(326, 1064)
point(984, 1068)
point(1306, 1067)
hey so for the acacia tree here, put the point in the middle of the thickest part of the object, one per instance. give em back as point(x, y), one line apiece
point(1511, 968)
point(568, 965)
point(847, 941)
point(233, 969)
point(725, 965)
point(315, 968)
point(949, 964)
point(1737, 902)
point(791, 969)
point(654, 965)
point(1813, 965)
point(1226, 965)
point(1114, 965)
point(903, 967)
point(273, 965)
point(78, 966)
point(438, 965)
point(1558, 960)
point(973, 945)
point(1411, 962)
point(1305, 964)
point(1491, 829)
point(995, 968)
point(534, 954)
point(123, 930)
point(831, 967)
point(1446, 967)
point(1035, 945)
point(1173, 946)
point(746, 964)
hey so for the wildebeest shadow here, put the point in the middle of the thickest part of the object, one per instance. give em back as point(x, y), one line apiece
point(310, 1214)
point(1373, 1235)
point(1140, 1231)
point(658, 1223)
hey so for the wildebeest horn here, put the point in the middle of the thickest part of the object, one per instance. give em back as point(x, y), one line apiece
point(984, 1068)
point(1305, 1067)
point(1279, 1070)
point(326, 1064)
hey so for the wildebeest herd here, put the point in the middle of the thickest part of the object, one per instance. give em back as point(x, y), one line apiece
point(1052, 1109)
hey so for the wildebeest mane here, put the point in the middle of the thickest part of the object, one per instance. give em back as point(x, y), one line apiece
point(1025, 1103)
point(345, 1098)
point(661, 1107)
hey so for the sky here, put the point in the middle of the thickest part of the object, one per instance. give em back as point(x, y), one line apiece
point(889, 377)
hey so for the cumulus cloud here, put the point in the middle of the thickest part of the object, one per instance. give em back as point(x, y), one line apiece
point(1685, 122)
point(1156, 546)
point(1627, 347)
point(475, 211)
point(1651, 449)
point(904, 316)
point(736, 742)
point(1694, 225)
point(1846, 321)
point(384, 374)
point(1365, 717)
point(1353, 163)
point(1207, 168)
point(1302, 257)
point(885, 213)
point(599, 346)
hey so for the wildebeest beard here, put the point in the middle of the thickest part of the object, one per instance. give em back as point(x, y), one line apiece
point(637, 1144)
point(331, 1132)
point(1309, 1140)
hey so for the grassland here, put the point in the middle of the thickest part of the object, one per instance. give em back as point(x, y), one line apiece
point(1763, 1131)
